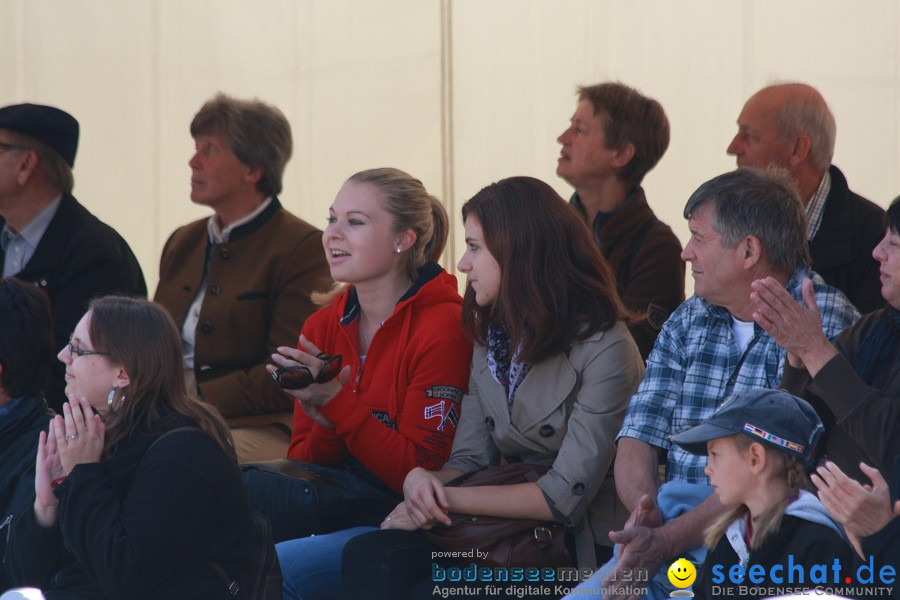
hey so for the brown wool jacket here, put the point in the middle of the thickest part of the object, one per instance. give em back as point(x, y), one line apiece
point(653, 286)
point(257, 298)
point(861, 420)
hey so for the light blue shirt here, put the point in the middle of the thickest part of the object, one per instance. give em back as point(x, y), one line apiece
point(19, 246)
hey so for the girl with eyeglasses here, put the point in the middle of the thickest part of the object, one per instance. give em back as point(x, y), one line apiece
point(394, 402)
point(137, 488)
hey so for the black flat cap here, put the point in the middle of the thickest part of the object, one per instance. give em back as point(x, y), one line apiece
point(56, 128)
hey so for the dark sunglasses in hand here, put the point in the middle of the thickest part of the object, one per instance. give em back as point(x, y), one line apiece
point(298, 377)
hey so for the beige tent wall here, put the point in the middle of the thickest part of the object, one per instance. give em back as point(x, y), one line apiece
point(458, 92)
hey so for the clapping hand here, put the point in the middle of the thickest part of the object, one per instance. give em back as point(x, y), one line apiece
point(80, 434)
point(862, 509)
point(48, 469)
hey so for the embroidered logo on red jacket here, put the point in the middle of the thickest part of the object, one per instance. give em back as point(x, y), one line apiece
point(445, 410)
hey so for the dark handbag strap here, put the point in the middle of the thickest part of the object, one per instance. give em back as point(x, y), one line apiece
point(233, 587)
point(500, 475)
point(170, 432)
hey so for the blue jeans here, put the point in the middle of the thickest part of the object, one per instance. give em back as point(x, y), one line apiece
point(303, 499)
point(311, 566)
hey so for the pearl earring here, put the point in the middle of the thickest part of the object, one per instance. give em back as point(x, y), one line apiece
point(398, 250)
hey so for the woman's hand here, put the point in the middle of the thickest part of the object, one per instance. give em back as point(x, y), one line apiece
point(426, 499)
point(79, 434)
point(400, 519)
point(48, 468)
point(317, 394)
point(861, 509)
point(312, 411)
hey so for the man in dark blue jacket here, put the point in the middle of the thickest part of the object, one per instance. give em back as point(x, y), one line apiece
point(46, 236)
point(26, 353)
point(790, 126)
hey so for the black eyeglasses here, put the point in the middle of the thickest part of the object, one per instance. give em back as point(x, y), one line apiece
point(79, 351)
point(299, 376)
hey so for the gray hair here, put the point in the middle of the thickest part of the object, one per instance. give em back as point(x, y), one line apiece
point(761, 203)
point(259, 135)
point(51, 164)
point(809, 114)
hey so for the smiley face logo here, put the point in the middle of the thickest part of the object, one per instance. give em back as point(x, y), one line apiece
point(682, 573)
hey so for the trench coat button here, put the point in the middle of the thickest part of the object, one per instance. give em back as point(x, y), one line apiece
point(225, 254)
point(578, 489)
point(215, 290)
point(206, 328)
point(489, 422)
point(546, 431)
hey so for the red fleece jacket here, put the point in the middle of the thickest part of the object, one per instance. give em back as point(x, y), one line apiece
point(400, 409)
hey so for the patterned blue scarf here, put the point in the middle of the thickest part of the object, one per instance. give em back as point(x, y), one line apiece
point(878, 347)
point(505, 369)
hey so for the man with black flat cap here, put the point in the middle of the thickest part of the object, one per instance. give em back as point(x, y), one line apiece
point(46, 236)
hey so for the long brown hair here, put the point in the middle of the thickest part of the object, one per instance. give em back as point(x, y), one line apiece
point(555, 286)
point(788, 467)
point(142, 338)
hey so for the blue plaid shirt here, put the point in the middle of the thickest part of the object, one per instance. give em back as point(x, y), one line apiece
point(696, 363)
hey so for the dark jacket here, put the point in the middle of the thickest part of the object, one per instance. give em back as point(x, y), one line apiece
point(798, 540)
point(18, 446)
point(139, 524)
point(884, 546)
point(257, 299)
point(78, 258)
point(861, 420)
point(646, 258)
point(842, 248)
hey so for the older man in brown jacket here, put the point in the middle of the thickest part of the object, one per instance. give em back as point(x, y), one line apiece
point(238, 284)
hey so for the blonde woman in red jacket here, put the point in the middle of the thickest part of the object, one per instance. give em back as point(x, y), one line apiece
point(394, 403)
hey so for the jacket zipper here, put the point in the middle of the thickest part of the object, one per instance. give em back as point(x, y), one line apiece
point(358, 358)
point(6, 523)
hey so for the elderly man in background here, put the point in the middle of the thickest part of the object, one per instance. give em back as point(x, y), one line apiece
point(615, 137)
point(47, 237)
point(745, 225)
point(790, 126)
point(238, 283)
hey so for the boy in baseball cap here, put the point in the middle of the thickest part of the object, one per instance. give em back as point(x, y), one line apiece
point(759, 444)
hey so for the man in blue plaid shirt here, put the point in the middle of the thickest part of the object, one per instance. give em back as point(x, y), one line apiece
point(745, 225)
